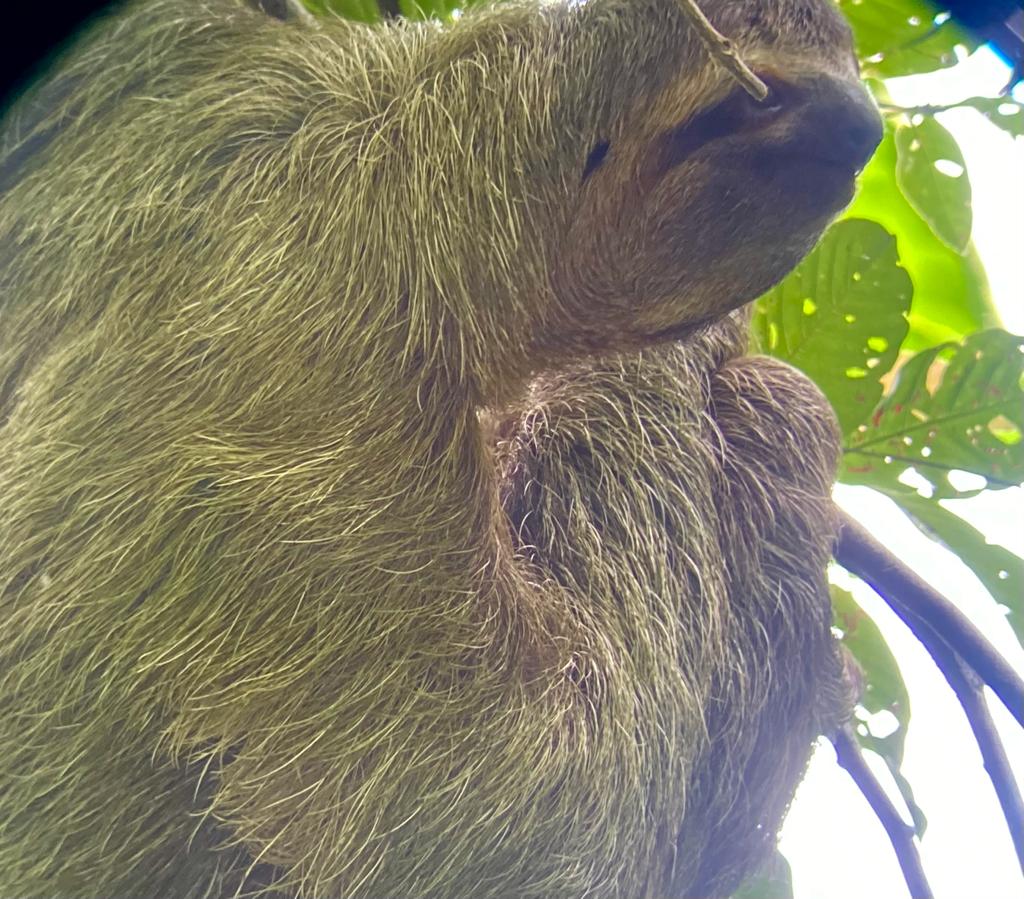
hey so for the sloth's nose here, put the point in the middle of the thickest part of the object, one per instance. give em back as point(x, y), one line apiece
point(840, 121)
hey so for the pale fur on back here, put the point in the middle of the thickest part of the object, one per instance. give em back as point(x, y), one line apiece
point(279, 614)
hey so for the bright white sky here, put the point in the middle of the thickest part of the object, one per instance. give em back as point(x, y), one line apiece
point(835, 845)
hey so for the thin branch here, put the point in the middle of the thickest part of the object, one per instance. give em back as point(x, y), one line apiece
point(1015, 76)
point(930, 109)
point(915, 601)
point(970, 692)
point(960, 675)
point(723, 51)
point(901, 834)
point(993, 755)
point(927, 109)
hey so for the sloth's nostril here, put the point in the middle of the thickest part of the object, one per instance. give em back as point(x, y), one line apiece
point(841, 122)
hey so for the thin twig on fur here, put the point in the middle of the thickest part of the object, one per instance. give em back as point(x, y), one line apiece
point(901, 834)
point(723, 51)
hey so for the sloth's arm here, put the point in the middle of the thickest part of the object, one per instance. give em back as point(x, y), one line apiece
point(702, 484)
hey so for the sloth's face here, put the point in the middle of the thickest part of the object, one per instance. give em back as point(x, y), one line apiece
point(730, 200)
point(706, 198)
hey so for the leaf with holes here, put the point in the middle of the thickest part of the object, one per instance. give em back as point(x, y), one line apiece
point(951, 298)
point(1003, 112)
point(953, 409)
point(902, 37)
point(840, 316)
point(1000, 571)
point(931, 174)
point(883, 690)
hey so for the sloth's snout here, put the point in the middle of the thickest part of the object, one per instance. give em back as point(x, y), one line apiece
point(839, 122)
point(818, 119)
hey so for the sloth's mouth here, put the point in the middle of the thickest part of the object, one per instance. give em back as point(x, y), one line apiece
point(821, 157)
point(680, 331)
point(828, 180)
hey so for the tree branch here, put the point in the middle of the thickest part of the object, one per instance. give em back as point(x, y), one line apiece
point(723, 51)
point(925, 109)
point(972, 697)
point(970, 692)
point(915, 601)
point(901, 834)
point(944, 630)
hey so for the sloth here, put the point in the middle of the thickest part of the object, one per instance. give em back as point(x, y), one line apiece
point(391, 507)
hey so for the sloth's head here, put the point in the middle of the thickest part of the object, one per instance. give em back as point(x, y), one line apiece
point(699, 198)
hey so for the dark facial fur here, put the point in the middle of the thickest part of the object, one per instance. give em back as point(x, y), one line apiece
point(349, 549)
point(704, 193)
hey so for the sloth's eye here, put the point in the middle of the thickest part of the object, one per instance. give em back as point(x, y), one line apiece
point(737, 113)
point(741, 111)
point(596, 157)
point(774, 103)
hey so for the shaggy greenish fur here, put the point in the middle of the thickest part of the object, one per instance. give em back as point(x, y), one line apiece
point(353, 545)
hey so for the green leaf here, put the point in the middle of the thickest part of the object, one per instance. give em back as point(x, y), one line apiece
point(951, 297)
point(1000, 571)
point(426, 9)
point(840, 316)
point(773, 881)
point(951, 408)
point(883, 690)
point(900, 37)
point(359, 10)
point(1002, 112)
point(933, 177)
